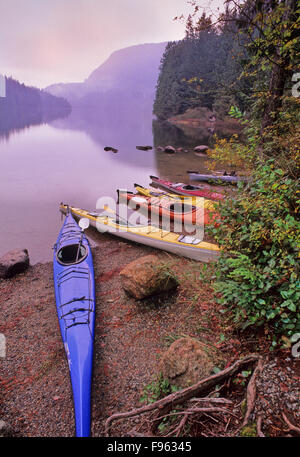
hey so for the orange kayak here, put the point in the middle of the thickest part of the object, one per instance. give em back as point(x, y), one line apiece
point(170, 208)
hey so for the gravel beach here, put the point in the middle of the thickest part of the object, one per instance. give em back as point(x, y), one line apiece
point(36, 397)
point(130, 336)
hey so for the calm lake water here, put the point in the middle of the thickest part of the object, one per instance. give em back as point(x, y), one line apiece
point(42, 165)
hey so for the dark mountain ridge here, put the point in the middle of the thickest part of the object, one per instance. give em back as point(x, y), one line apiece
point(128, 72)
point(23, 106)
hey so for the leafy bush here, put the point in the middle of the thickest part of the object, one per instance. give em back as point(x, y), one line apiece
point(158, 388)
point(259, 233)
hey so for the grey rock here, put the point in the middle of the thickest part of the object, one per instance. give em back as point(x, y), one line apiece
point(201, 148)
point(110, 148)
point(143, 148)
point(14, 262)
point(170, 149)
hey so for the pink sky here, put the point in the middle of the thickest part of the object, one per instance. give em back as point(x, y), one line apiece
point(49, 41)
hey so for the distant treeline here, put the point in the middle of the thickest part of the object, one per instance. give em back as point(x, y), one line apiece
point(202, 70)
point(24, 106)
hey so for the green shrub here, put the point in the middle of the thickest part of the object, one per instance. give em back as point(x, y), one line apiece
point(259, 233)
point(158, 388)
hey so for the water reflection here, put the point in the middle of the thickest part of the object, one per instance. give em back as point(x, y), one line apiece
point(23, 106)
point(13, 122)
point(64, 160)
point(120, 122)
point(42, 165)
point(166, 133)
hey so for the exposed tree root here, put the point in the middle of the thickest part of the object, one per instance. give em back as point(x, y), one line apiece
point(163, 407)
point(251, 392)
point(258, 427)
point(292, 427)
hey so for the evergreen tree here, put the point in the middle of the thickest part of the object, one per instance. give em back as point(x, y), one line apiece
point(202, 70)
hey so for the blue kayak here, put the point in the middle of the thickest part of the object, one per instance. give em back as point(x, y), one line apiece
point(75, 301)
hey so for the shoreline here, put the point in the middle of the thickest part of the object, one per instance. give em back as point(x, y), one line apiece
point(130, 338)
point(35, 377)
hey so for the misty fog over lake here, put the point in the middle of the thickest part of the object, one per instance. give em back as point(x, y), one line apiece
point(52, 152)
point(64, 160)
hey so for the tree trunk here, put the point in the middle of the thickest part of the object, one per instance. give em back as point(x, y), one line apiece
point(279, 75)
point(276, 89)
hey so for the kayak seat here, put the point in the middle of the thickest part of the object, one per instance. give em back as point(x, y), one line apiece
point(67, 255)
point(189, 239)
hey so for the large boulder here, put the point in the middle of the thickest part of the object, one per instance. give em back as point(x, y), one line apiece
point(14, 262)
point(186, 362)
point(147, 276)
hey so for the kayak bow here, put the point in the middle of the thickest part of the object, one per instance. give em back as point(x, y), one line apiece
point(189, 190)
point(75, 302)
point(196, 176)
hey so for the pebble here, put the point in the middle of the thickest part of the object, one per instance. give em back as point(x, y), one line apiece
point(277, 392)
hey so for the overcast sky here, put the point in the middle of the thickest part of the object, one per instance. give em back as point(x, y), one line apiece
point(48, 41)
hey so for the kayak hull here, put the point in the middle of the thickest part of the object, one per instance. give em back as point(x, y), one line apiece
point(167, 209)
point(194, 176)
point(186, 189)
point(151, 236)
point(75, 303)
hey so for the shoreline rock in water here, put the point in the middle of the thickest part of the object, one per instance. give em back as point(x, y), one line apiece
point(110, 148)
point(144, 148)
point(170, 150)
point(202, 148)
point(14, 262)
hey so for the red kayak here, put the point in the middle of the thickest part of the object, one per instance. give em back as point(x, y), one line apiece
point(186, 189)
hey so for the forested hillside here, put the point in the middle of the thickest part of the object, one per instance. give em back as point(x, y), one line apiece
point(244, 65)
point(202, 70)
point(259, 229)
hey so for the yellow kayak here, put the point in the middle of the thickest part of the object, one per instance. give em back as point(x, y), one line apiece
point(149, 235)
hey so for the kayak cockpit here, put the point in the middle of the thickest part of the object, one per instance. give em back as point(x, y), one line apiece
point(190, 187)
point(181, 208)
point(71, 254)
